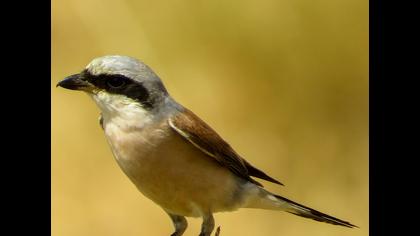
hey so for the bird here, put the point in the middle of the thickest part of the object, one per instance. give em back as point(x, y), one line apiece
point(170, 154)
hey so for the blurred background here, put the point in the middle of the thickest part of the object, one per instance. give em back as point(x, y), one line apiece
point(285, 82)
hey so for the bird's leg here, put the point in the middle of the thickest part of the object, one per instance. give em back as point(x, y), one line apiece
point(180, 224)
point(207, 226)
point(217, 231)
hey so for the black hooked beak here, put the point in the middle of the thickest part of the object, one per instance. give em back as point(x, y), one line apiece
point(74, 82)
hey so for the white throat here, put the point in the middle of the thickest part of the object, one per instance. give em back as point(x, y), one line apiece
point(121, 111)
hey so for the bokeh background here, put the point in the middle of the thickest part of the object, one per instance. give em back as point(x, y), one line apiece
point(285, 82)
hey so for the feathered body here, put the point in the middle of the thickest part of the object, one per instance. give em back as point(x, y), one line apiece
point(170, 154)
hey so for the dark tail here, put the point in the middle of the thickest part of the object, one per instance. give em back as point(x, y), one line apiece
point(301, 210)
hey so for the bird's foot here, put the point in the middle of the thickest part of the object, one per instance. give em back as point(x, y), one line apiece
point(217, 233)
point(176, 233)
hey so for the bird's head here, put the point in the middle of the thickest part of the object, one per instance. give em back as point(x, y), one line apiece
point(118, 84)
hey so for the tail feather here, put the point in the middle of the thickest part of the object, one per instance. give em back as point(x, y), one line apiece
point(304, 211)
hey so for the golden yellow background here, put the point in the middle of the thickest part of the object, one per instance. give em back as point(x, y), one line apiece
point(285, 82)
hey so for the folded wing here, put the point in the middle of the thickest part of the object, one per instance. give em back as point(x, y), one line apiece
point(197, 132)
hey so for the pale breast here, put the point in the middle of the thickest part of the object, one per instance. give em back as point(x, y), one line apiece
point(170, 171)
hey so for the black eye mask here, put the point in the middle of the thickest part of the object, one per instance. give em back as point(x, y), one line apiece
point(120, 84)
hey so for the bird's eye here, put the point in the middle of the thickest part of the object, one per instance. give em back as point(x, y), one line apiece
point(116, 82)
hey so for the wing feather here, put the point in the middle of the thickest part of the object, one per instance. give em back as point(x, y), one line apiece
point(202, 136)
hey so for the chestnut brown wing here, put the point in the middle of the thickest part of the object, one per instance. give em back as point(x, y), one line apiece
point(202, 136)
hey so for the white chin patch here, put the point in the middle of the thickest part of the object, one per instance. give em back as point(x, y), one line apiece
point(115, 105)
